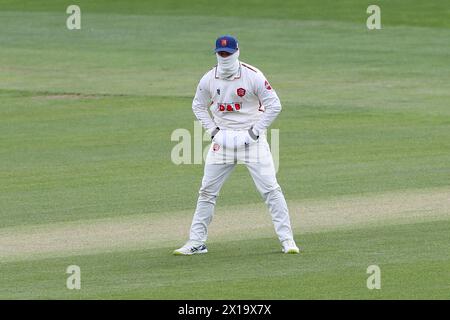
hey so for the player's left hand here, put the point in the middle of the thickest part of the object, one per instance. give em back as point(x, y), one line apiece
point(246, 138)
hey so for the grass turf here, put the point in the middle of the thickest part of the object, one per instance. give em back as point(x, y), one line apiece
point(414, 265)
point(86, 118)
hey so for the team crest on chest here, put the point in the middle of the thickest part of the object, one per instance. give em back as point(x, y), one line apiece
point(240, 92)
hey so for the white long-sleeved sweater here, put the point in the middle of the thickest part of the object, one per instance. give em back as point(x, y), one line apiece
point(244, 102)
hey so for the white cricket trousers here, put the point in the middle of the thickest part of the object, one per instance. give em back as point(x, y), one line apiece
point(218, 167)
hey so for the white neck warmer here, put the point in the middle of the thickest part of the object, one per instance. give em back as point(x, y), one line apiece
point(228, 67)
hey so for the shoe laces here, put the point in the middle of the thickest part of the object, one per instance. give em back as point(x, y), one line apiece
point(191, 244)
point(290, 243)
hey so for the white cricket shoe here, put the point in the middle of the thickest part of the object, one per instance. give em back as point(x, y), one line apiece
point(190, 248)
point(289, 246)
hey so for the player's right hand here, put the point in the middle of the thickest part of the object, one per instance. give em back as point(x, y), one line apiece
point(219, 138)
point(214, 133)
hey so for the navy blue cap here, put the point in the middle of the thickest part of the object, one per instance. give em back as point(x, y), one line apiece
point(226, 43)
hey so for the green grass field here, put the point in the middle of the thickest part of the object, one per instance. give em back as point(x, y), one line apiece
point(86, 176)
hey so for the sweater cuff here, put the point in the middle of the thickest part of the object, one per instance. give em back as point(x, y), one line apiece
point(252, 134)
point(214, 131)
point(211, 129)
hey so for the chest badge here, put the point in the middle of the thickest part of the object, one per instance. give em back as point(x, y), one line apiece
point(240, 92)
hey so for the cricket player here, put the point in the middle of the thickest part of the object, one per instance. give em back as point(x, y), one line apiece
point(243, 105)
